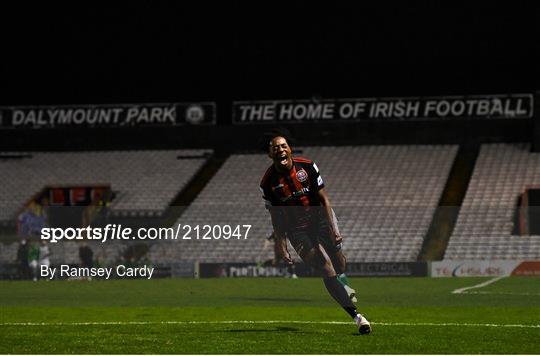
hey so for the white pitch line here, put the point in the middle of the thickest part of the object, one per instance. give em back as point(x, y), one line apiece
point(493, 280)
point(173, 322)
point(503, 293)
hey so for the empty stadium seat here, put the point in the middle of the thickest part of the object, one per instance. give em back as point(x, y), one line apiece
point(144, 182)
point(484, 226)
point(384, 197)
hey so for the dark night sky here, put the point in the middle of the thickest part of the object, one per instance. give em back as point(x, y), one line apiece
point(169, 51)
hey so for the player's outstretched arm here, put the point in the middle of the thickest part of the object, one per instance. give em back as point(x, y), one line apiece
point(325, 201)
point(280, 239)
point(281, 250)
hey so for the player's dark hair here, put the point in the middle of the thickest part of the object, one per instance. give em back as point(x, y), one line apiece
point(268, 136)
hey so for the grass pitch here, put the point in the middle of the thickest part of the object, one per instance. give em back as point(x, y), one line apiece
point(268, 316)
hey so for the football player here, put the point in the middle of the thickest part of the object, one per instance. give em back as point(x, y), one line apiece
point(294, 194)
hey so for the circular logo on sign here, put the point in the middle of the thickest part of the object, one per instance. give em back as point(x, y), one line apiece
point(301, 175)
point(194, 114)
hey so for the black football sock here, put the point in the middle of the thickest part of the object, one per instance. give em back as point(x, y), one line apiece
point(338, 292)
point(290, 269)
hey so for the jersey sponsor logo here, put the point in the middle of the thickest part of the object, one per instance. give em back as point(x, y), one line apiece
point(296, 194)
point(301, 175)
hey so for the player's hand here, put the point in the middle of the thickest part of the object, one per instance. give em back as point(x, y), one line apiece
point(287, 258)
point(337, 239)
point(283, 253)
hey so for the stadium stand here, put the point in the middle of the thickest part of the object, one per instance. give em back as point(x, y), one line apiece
point(144, 182)
point(384, 197)
point(8, 252)
point(485, 222)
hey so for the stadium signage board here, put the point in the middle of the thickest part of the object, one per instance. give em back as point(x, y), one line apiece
point(364, 269)
point(181, 269)
point(208, 270)
point(484, 268)
point(511, 106)
point(101, 116)
point(387, 269)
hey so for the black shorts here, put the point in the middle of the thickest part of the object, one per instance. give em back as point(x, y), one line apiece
point(304, 240)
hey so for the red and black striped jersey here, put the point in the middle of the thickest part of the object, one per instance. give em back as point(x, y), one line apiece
point(294, 196)
point(298, 187)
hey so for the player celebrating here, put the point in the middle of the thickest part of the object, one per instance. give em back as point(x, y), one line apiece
point(300, 209)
